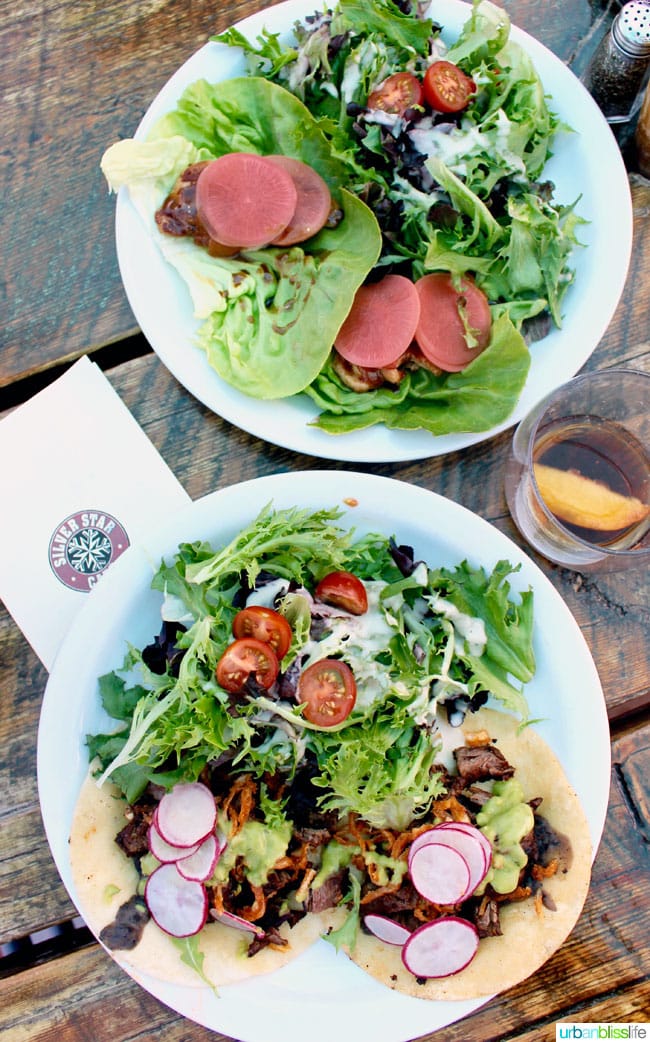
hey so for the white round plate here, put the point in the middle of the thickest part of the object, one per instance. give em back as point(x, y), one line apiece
point(587, 165)
point(565, 693)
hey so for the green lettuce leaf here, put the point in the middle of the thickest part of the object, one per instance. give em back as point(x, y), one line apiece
point(480, 397)
point(286, 306)
point(250, 114)
point(384, 18)
point(483, 36)
point(380, 768)
point(271, 315)
point(509, 627)
point(293, 543)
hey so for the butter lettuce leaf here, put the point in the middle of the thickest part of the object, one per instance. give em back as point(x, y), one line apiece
point(251, 114)
point(276, 329)
point(480, 397)
point(270, 316)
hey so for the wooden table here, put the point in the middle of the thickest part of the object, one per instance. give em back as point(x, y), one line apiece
point(76, 77)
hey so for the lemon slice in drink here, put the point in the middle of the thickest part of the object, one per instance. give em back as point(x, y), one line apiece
point(587, 503)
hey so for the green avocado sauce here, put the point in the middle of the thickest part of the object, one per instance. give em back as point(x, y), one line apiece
point(259, 846)
point(505, 819)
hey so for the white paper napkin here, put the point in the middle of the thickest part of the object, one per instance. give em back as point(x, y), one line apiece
point(80, 482)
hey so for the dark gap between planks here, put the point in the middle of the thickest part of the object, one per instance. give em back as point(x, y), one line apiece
point(107, 357)
point(41, 946)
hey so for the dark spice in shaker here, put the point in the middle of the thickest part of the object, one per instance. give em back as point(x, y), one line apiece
point(615, 75)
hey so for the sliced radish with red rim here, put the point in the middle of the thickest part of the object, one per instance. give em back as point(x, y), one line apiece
point(422, 840)
point(178, 906)
point(386, 929)
point(186, 814)
point(236, 922)
point(164, 851)
point(440, 948)
point(440, 873)
point(463, 841)
point(475, 833)
point(200, 864)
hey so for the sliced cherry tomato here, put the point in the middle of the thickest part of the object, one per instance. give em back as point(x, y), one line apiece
point(343, 590)
point(447, 88)
point(328, 691)
point(264, 624)
point(243, 657)
point(397, 93)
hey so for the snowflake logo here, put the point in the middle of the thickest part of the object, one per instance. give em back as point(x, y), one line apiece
point(83, 546)
point(89, 551)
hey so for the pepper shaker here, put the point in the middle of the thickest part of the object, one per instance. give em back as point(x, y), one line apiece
point(615, 75)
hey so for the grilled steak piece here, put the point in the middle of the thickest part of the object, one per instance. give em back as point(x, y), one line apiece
point(126, 929)
point(327, 895)
point(479, 763)
point(486, 918)
point(132, 839)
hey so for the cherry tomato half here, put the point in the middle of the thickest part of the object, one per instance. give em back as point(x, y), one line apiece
point(328, 691)
point(397, 93)
point(343, 590)
point(243, 657)
point(447, 88)
point(264, 624)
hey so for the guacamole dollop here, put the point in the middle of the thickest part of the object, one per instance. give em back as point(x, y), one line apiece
point(505, 819)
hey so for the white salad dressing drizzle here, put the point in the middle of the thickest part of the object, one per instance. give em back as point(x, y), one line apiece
point(358, 638)
point(469, 628)
point(266, 595)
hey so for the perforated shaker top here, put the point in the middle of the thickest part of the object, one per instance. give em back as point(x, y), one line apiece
point(631, 28)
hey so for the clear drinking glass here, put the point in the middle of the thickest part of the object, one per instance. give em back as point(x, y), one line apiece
point(578, 476)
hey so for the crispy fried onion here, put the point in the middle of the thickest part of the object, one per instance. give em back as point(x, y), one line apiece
point(240, 802)
point(450, 809)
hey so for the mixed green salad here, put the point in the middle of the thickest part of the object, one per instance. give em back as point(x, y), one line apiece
point(372, 647)
point(419, 191)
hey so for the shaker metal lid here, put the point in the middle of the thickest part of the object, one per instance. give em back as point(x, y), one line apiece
point(631, 28)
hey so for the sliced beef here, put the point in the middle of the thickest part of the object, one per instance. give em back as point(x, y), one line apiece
point(486, 918)
point(177, 215)
point(403, 900)
point(126, 929)
point(271, 936)
point(132, 839)
point(313, 837)
point(328, 895)
point(480, 763)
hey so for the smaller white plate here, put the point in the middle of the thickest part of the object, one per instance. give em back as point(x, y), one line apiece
point(586, 164)
point(565, 695)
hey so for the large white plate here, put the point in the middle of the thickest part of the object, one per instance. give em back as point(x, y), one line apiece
point(586, 164)
point(565, 694)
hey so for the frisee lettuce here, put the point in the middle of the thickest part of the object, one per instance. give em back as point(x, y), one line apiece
point(380, 769)
point(379, 763)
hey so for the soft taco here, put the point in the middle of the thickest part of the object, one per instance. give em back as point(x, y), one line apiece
point(537, 916)
point(109, 893)
point(519, 923)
